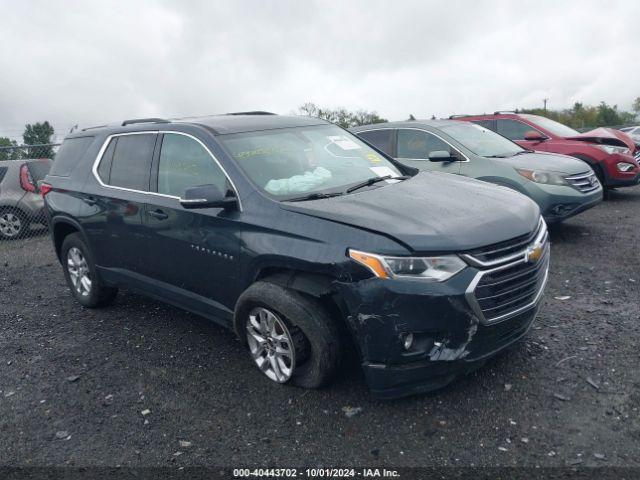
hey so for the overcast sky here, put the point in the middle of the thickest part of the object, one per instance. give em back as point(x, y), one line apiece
point(94, 62)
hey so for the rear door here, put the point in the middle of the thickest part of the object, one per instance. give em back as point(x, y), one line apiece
point(114, 225)
point(414, 146)
point(194, 250)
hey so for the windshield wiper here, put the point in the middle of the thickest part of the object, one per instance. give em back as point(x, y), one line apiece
point(373, 180)
point(314, 196)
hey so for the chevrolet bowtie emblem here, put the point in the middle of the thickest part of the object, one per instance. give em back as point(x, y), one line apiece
point(533, 253)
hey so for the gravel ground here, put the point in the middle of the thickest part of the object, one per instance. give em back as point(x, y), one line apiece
point(126, 384)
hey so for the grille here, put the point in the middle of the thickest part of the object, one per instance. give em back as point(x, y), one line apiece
point(507, 290)
point(637, 154)
point(512, 278)
point(585, 182)
point(505, 251)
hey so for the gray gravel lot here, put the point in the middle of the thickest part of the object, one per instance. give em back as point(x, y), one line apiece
point(75, 384)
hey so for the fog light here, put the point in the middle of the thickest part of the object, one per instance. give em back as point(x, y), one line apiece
point(407, 343)
point(624, 166)
point(562, 208)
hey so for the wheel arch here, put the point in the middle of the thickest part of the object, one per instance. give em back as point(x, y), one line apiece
point(316, 285)
point(62, 227)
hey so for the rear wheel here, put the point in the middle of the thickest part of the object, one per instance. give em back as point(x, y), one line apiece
point(80, 273)
point(290, 337)
point(13, 224)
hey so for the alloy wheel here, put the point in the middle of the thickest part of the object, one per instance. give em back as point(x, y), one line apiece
point(78, 271)
point(270, 344)
point(10, 224)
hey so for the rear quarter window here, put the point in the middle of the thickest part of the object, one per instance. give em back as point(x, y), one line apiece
point(3, 172)
point(69, 155)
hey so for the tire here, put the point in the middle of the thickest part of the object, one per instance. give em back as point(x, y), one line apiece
point(76, 257)
point(14, 224)
point(314, 335)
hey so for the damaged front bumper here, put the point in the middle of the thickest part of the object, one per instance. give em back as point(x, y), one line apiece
point(450, 334)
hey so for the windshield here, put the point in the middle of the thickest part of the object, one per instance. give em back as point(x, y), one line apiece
point(482, 141)
point(552, 126)
point(287, 163)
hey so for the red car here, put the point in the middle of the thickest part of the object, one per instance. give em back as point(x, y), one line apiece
point(611, 153)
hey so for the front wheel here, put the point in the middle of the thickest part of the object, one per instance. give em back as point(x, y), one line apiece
point(290, 337)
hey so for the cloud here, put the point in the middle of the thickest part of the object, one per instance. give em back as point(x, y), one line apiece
point(88, 63)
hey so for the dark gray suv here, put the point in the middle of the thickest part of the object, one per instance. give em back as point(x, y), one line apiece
point(21, 204)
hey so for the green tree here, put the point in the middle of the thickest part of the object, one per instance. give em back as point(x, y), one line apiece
point(341, 116)
point(38, 134)
point(636, 106)
point(8, 150)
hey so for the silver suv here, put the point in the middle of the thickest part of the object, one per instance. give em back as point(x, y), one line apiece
point(20, 201)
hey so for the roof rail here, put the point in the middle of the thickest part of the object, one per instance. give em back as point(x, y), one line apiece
point(451, 117)
point(498, 112)
point(144, 120)
point(257, 112)
point(93, 128)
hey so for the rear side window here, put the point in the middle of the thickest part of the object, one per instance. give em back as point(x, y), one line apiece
point(419, 144)
point(490, 124)
point(126, 162)
point(3, 172)
point(513, 129)
point(381, 139)
point(69, 155)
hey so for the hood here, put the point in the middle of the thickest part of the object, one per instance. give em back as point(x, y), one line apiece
point(607, 136)
point(553, 162)
point(432, 212)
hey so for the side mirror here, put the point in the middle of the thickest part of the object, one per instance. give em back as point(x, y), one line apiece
point(207, 196)
point(441, 156)
point(534, 136)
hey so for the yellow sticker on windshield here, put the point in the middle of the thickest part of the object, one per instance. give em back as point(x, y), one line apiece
point(373, 158)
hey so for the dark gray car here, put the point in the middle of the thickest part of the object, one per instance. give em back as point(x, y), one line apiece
point(20, 201)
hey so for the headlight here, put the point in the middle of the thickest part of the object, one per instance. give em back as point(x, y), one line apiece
point(624, 166)
point(542, 176)
point(611, 149)
point(432, 269)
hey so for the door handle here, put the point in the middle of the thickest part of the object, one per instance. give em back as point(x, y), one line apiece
point(159, 214)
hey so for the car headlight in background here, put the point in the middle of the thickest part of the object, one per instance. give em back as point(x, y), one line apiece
point(611, 149)
point(433, 269)
point(543, 176)
point(624, 166)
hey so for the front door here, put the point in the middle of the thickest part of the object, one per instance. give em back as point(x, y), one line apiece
point(414, 147)
point(195, 250)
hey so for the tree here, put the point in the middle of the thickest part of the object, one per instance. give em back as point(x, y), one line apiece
point(38, 134)
point(636, 106)
point(8, 150)
point(341, 116)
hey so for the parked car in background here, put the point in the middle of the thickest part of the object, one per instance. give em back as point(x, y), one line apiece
point(609, 152)
point(562, 186)
point(305, 241)
point(20, 201)
point(633, 132)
